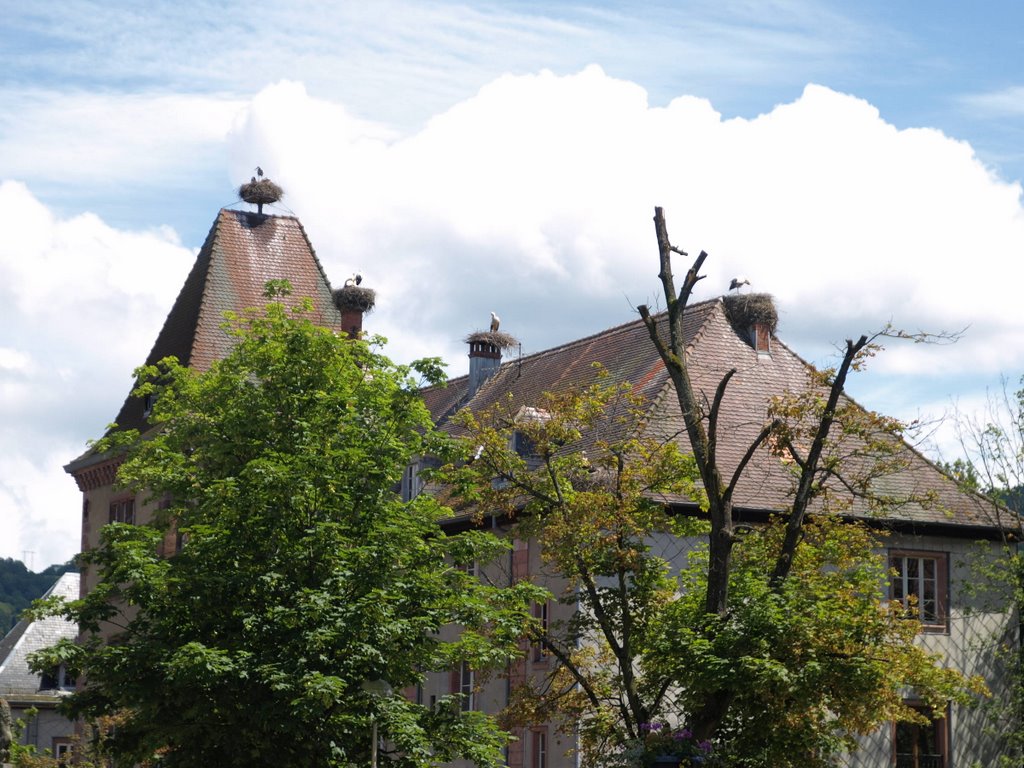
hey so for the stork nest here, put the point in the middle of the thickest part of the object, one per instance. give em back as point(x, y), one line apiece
point(262, 192)
point(499, 339)
point(355, 298)
point(746, 309)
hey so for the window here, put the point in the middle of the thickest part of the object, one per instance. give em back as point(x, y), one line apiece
point(540, 748)
point(540, 612)
point(470, 568)
point(466, 687)
point(411, 483)
point(919, 580)
point(56, 679)
point(62, 751)
point(921, 746)
point(122, 511)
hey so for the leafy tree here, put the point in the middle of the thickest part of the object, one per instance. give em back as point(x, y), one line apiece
point(773, 644)
point(837, 452)
point(809, 664)
point(19, 587)
point(992, 464)
point(302, 574)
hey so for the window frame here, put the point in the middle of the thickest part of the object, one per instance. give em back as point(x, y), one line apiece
point(539, 747)
point(122, 510)
point(900, 580)
point(942, 737)
point(467, 682)
point(541, 612)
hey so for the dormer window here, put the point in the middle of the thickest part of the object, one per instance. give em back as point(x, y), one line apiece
point(57, 679)
point(147, 405)
point(411, 482)
point(522, 445)
point(520, 442)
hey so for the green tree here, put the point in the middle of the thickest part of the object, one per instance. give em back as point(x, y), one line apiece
point(837, 452)
point(992, 464)
point(808, 663)
point(302, 574)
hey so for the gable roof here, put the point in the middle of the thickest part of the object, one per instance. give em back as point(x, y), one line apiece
point(715, 347)
point(29, 636)
point(241, 253)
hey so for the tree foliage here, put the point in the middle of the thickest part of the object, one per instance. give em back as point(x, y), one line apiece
point(992, 464)
point(302, 574)
point(772, 643)
point(808, 663)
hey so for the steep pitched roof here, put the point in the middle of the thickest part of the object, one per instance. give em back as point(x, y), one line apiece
point(242, 252)
point(714, 348)
point(28, 636)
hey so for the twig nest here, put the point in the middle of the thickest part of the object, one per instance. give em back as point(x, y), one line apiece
point(355, 298)
point(746, 309)
point(262, 192)
point(499, 339)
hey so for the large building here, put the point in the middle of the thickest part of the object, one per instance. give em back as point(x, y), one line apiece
point(931, 540)
point(245, 250)
point(241, 254)
point(26, 690)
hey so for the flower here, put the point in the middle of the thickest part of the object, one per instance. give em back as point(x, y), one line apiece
point(661, 740)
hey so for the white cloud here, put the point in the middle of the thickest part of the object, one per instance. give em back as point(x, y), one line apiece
point(95, 140)
point(534, 198)
point(82, 305)
point(1005, 102)
point(40, 506)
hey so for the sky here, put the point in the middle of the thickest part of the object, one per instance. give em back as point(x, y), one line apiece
point(862, 162)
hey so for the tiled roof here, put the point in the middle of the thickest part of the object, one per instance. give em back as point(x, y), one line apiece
point(27, 637)
point(242, 252)
point(715, 347)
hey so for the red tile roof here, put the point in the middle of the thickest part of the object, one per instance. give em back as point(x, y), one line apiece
point(242, 252)
point(715, 347)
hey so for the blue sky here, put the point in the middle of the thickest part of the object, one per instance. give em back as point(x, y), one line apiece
point(862, 162)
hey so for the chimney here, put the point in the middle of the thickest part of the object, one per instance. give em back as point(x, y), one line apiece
point(354, 301)
point(485, 354)
point(484, 361)
point(754, 318)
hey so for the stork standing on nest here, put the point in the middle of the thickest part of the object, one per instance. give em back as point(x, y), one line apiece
point(356, 279)
point(495, 322)
point(737, 283)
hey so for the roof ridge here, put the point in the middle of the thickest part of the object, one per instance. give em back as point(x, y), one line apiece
point(213, 240)
point(615, 329)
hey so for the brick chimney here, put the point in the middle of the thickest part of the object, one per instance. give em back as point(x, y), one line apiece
point(754, 318)
point(354, 301)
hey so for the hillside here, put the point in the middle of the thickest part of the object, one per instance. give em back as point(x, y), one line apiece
point(19, 587)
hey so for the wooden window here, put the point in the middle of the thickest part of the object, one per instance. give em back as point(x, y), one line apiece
point(920, 581)
point(122, 511)
point(921, 746)
point(540, 612)
point(466, 687)
point(539, 756)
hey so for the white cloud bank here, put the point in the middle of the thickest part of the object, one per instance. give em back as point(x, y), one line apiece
point(82, 303)
point(534, 199)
